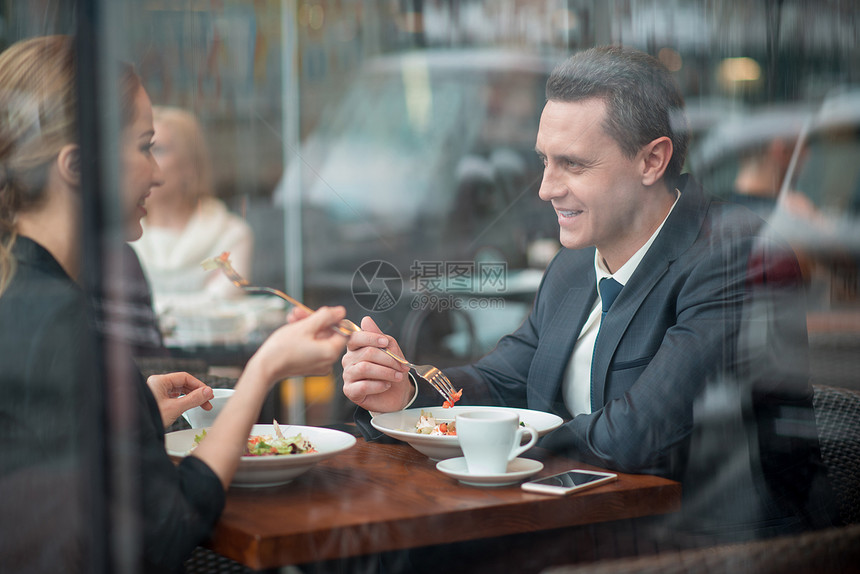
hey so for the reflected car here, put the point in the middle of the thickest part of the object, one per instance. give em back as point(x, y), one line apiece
point(426, 166)
point(715, 160)
point(816, 207)
point(827, 232)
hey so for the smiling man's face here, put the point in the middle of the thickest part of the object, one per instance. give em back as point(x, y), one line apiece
point(596, 191)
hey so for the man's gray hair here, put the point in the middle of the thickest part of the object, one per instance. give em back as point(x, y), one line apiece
point(643, 101)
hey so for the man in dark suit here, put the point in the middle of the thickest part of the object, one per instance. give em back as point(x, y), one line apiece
point(702, 315)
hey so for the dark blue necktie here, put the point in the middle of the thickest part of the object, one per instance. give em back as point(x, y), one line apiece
point(609, 290)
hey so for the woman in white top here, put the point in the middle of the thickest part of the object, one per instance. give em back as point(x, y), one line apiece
point(185, 224)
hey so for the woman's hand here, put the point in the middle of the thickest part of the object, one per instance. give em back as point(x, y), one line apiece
point(175, 393)
point(308, 345)
point(371, 378)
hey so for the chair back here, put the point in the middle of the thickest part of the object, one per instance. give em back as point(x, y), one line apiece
point(837, 415)
point(205, 561)
point(830, 551)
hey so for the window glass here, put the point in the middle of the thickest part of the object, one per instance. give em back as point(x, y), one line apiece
point(382, 156)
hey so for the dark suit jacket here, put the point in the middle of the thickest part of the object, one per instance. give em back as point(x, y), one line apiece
point(708, 305)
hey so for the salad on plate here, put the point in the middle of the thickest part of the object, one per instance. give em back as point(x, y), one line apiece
point(271, 445)
point(427, 424)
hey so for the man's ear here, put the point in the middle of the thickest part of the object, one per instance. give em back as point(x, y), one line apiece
point(655, 158)
point(69, 164)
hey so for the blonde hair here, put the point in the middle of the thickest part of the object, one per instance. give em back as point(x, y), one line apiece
point(38, 116)
point(191, 143)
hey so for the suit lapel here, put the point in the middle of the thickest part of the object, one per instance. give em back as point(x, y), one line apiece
point(557, 340)
point(616, 322)
point(678, 234)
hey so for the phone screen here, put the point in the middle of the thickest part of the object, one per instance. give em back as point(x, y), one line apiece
point(570, 479)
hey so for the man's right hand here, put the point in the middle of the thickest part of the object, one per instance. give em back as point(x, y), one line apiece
point(371, 378)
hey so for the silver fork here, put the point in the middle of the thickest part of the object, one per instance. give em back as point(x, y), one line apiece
point(429, 373)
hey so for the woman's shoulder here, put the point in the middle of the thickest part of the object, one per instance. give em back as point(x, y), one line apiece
point(36, 300)
point(43, 324)
point(39, 285)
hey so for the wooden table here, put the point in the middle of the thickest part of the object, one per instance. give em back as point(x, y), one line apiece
point(381, 497)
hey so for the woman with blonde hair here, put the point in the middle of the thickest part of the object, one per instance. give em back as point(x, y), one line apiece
point(185, 223)
point(50, 444)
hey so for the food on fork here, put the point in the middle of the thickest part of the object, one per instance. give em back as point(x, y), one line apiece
point(454, 398)
point(216, 262)
point(427, 424)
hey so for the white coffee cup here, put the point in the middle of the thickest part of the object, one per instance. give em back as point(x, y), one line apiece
point(490, 439)
point(199, 418)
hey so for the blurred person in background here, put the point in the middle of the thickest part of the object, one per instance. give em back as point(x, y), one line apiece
point(763, 182)
point(761, 185)
point(49, 430)
point(760, 175)
point(185, 223)
point(708, 315)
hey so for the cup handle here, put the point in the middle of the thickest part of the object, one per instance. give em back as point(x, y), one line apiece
point(518, 439)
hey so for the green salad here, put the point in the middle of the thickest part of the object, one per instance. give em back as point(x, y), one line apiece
point(271, 445)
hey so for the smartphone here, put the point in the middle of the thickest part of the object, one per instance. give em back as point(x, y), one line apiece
point(569, 481)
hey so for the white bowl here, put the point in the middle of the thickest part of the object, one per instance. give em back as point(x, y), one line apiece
point(401, 425)
point(260, 471)
point(199, 418)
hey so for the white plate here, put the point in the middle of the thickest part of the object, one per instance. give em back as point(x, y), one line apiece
point(518, 469)
point(401, 425)
point(259, 471)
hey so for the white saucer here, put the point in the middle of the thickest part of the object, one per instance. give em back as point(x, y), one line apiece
point(518, 469)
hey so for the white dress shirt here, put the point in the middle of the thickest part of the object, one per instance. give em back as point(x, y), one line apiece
point(577, 385)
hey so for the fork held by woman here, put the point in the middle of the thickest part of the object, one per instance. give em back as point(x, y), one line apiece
point(429, 373)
